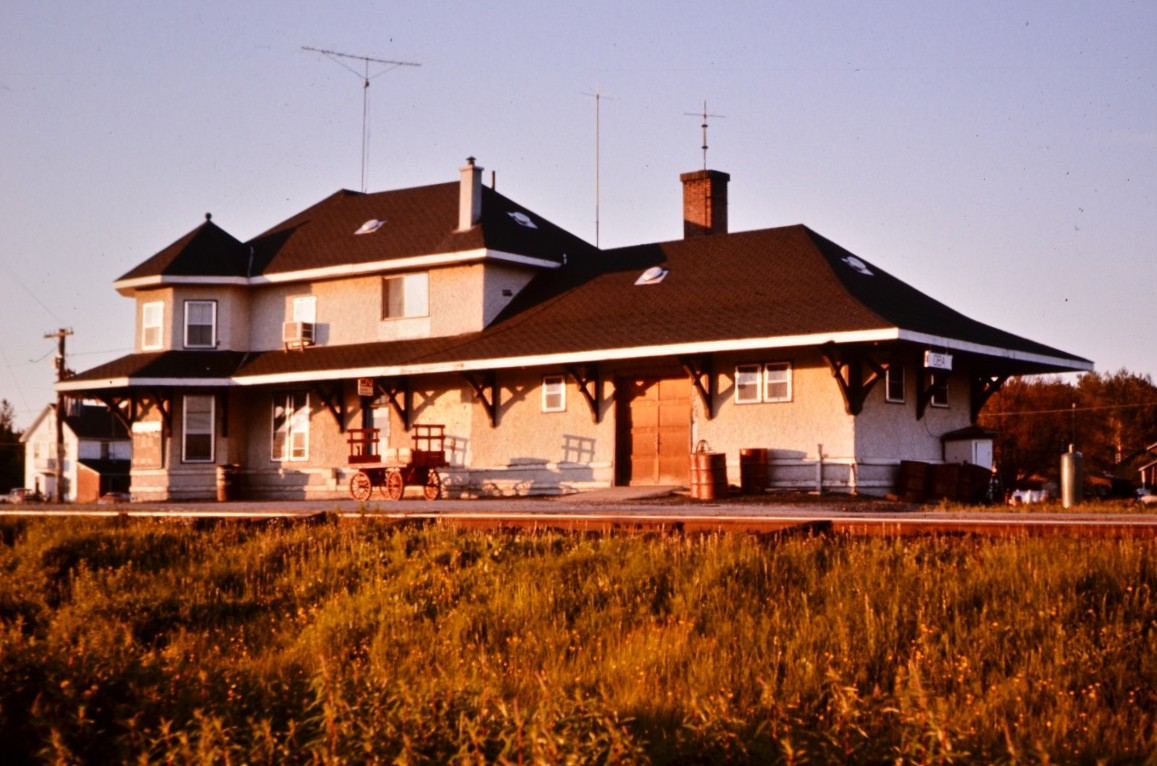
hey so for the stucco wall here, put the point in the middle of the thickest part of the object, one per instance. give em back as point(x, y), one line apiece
point(790, 431)
point(232, 315)
point(462, 299)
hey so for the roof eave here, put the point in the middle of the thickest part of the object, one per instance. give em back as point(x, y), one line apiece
point(127, 287)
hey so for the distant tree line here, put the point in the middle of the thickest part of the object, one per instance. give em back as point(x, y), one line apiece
point(11, 450)
point(1111, 418)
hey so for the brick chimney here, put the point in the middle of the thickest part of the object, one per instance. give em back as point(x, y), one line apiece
point(704, 202)
point(470, 195)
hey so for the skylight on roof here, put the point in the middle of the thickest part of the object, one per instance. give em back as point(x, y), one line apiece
point(370, 226)
point(522, 219)
point(651, 276)
point(858, 265)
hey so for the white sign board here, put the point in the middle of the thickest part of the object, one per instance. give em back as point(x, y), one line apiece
point(937, 361)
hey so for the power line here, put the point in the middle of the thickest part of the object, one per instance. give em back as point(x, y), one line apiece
point(1073, 409)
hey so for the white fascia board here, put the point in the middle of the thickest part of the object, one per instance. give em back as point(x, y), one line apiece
point(938, 342)
point(93, 385)
point(579, 357)
point(644, 352)
point(343, 270)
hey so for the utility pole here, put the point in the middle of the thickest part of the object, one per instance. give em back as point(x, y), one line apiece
point(62, 372)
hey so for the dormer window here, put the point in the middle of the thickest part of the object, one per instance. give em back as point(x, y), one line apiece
point(200, 324)
point(522, 219)
point(370, 226)
point(406, 296)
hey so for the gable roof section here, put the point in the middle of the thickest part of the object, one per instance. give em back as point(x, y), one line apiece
point(419, 229)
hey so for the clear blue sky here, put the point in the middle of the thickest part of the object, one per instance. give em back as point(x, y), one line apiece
point(1000, 156)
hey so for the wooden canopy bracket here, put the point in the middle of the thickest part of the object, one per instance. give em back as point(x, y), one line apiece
point(847, 366)
point(590, 386)
point(223, 397)
point(983, 387)
point(925, 388)
point(701, 371)
point(331, 396)
point(485, 388)
point(399, 395)
point(117, 406)
point(164, 406)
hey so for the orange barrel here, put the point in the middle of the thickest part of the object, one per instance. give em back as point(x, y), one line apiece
point(708, 475)
point(753, 476)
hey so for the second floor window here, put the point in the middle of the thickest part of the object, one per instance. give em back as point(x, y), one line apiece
point(304, 308)
point(152, 325)
point(200, 324)
point(406, 296)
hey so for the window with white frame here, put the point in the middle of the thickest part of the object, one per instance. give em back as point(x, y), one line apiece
point(554, 393)
point(894, 383)
point(303, 308)
point(405, 296)
point(200, 324)
point(777, 382)
point(152, 325)
point(755, 383)
point(939, 388)
point(290, 426)
point(747, 383)
point(198, 428)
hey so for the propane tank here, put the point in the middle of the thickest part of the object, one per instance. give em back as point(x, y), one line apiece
point(1072, 477)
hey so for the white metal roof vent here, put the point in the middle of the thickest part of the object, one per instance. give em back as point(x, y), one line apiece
point(651, 276)
point(522, 219)
point(370, 226)
point(858, 265)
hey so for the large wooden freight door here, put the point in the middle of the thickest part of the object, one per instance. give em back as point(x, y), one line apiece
point(654, 431)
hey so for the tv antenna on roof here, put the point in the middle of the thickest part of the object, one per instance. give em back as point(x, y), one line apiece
point(389, 65)
point(704, 114)
point(598, 99)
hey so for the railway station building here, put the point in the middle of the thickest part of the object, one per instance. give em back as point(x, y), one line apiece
point(553, 365)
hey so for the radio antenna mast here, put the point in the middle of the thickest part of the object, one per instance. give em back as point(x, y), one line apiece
point(388, 64)
point(705, 114)
point(598, 99)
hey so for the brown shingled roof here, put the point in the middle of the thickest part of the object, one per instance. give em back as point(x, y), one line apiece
point(207, 250)
point(772, 283)
point(419, 221)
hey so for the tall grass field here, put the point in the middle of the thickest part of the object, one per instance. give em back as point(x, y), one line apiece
point(349, 642)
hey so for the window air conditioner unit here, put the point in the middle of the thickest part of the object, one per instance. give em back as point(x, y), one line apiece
point(297, 334)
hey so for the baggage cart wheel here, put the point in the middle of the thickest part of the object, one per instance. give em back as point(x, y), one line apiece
point(433, 488)
point(394, 486)
point(361, 487)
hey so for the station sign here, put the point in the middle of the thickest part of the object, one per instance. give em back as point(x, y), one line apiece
point(934, 360)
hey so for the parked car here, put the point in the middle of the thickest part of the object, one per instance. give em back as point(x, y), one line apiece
point(22, 495)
